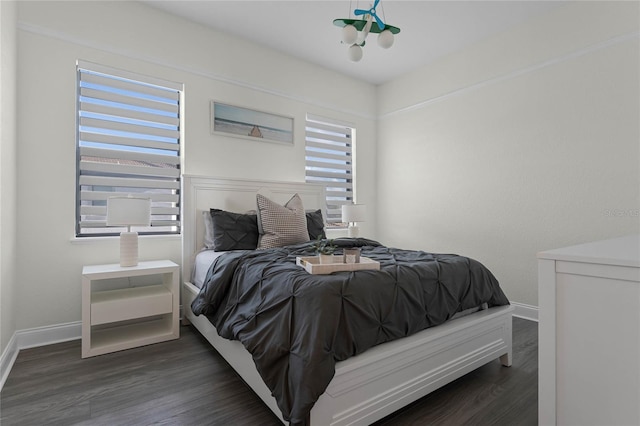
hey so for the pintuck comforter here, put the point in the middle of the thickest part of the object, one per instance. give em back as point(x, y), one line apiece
point(297, 325)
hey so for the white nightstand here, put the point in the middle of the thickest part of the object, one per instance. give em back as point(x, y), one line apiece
point(123, 318)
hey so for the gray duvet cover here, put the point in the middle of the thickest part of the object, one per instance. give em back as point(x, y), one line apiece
point(297, 325)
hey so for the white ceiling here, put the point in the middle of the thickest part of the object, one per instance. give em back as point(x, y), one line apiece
point(304, 28)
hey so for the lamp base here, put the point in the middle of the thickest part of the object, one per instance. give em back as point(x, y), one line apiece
point(129, 249)
point(354, 231)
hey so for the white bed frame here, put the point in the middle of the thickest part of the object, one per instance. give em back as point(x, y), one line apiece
point(369, 386)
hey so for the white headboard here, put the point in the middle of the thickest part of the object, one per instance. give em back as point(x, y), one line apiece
point(200, 193)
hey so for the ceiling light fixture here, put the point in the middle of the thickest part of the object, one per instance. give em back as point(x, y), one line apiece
point(355, 31)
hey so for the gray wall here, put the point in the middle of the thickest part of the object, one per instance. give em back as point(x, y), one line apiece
point(8, 195)
point(212, 66)
point(524, 142)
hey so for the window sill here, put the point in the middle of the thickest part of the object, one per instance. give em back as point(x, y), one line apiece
point(336, 232)
point(109, 239)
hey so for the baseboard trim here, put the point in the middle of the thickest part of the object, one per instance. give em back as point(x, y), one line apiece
point(7, 359)
point(48, 335)
point(33, 337)
point(528, 312)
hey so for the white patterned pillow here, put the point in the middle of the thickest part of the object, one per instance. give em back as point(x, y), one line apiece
point(281, 225)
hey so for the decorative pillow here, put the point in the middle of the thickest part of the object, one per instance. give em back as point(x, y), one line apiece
point(315, 224)
point(234, 231)
point(208, 230)
point(281, 225)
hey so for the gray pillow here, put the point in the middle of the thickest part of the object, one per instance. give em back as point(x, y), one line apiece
point(234, 231)
point(281, 225)
point(315, 224)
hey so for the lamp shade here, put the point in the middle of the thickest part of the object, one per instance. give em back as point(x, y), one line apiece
point(355, 53)
point(385, 39)
point(354, 213)
point(128, 211)
point(349, 34)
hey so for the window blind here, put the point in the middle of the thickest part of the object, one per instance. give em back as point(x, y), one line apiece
point(329, 160)
point(128, 142)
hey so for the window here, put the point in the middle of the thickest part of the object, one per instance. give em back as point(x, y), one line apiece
point(329, 160)
point(128, 142)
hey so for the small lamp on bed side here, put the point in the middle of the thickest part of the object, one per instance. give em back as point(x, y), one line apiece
point(128, 211)
point(352, 214)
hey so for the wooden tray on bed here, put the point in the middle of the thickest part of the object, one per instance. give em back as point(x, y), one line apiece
point(313, 266)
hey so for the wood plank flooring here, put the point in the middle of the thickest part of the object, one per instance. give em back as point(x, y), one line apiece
point(186, 382)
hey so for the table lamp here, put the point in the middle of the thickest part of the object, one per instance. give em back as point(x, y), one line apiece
point(352, 214)
point(128, 211)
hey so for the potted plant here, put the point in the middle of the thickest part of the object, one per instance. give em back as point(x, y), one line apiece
point(325, 249)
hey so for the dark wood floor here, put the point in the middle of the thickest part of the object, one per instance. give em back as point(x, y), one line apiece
point(186, 382)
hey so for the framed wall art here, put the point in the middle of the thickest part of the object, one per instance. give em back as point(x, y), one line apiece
point(250, 124)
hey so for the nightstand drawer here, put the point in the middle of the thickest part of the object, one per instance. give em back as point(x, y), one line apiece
point(130, 303)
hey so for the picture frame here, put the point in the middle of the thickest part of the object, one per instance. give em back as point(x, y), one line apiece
point(248, 123)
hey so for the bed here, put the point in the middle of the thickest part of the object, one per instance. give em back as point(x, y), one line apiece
point(374, 383)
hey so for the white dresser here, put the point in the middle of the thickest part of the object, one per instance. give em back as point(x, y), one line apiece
point(589, 334)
